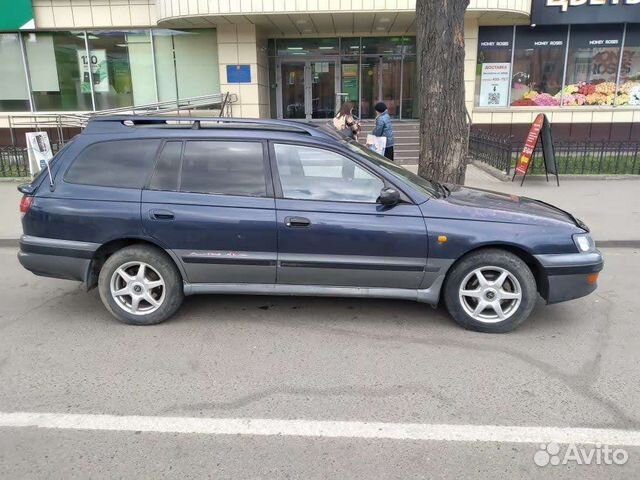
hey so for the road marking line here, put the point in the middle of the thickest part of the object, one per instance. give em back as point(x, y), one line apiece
point(321, 428)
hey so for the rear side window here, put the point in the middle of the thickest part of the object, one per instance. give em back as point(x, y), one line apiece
point(216, 167)
point(167, 173)
point(121, 163)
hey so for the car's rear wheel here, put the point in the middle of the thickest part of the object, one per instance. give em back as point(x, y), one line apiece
point(490, 291)
point(140, 285)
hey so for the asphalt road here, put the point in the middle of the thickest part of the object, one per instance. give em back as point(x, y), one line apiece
point(571, 365)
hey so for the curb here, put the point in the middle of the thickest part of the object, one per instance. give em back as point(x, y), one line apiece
point(15, 243)
point(493, 171)
point(618, 243)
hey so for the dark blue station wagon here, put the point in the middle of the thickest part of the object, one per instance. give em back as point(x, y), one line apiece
point(150, 209)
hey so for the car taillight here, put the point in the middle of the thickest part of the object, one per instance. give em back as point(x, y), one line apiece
point(25, 204)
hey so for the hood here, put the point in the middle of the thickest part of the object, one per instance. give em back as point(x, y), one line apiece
point(478, 204)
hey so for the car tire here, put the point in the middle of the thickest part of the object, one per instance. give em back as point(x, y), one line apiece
point(491, 291)
point(140, 285)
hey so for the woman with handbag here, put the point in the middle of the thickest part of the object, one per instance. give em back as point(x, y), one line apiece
point(345, 123)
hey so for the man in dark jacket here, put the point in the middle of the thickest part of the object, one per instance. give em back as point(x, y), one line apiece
point(383, 128)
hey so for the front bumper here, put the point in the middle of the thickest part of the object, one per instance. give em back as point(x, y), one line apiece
point(570, 275)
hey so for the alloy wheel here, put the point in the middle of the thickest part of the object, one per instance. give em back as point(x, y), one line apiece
point(490, 294)
point(137, 288)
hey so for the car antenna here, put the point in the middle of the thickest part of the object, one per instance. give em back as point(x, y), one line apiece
point(51, 185)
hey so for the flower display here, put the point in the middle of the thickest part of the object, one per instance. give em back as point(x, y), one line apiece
point(597, 92)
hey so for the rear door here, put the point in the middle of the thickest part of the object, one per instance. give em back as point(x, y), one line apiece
point(209, 201)
point(332, 231)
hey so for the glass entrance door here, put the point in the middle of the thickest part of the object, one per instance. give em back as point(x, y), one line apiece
point(307, 89)
point(381, 83)
point(323, 89)
point(292, 82)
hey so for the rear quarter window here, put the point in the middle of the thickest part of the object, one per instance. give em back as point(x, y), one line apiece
point(118, 163)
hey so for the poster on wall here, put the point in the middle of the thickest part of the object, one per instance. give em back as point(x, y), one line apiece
point(97, 61)
point(495, 80)
point(38, 150)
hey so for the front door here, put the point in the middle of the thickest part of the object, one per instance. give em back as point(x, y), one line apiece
point(331, 230)
point(307, 89)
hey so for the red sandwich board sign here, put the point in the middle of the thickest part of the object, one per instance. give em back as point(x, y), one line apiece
point(540, 131)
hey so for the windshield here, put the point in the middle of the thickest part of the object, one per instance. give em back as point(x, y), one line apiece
point(430, 188)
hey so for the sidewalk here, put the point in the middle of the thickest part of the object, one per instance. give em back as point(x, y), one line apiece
point(10, 227)
point(611, 208)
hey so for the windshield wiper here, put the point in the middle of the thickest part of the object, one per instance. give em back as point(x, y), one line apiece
point(442, 188)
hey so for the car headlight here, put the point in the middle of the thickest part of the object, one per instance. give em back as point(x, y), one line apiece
point(584, 242)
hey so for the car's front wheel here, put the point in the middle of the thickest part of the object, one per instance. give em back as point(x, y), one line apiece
point(140, 285)
point(490, 291)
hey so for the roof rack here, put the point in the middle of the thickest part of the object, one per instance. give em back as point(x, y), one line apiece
point(111, 123)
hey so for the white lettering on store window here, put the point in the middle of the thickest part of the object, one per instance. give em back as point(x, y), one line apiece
point(545, 43)
point(565, 4)
point(603, 42)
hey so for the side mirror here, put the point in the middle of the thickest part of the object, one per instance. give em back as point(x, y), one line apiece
point(389, 197)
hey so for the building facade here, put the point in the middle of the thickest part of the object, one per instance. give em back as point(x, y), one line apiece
point(301, 58)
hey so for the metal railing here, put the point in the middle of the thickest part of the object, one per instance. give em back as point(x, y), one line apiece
point(494, 150)
point(573, 157)
point(59, 123)
point(14, 160)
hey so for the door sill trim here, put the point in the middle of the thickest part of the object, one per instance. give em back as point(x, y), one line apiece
point(429, 295)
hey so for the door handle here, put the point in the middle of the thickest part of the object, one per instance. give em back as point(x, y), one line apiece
point(297, 222)
point(161, 214)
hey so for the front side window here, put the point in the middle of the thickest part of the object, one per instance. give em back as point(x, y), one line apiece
point(308, 173)
point(121, 163)
point(226, 168)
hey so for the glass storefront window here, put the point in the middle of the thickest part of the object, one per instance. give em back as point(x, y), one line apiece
point(350, 46)
point(368, 70)
point(186, 63)
point(388, 45)
point(493, 68)
point(538, 66)
point(350, 76)
point(59, 80)
point(410, 91)
point(629, 84)
point(592, 65)
point(122, 68)
point(307, 46)
point(14, 94)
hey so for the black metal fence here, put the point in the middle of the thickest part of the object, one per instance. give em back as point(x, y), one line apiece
point(579, 157)
point(494, 150)
point(14, 160)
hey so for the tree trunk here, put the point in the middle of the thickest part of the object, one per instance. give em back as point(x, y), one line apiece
point(444, 132)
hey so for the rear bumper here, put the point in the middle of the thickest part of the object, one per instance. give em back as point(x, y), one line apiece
point(569, 275)
point(49, 257)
